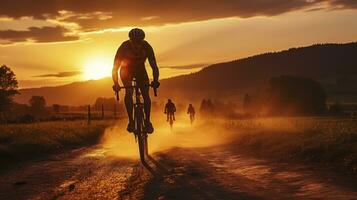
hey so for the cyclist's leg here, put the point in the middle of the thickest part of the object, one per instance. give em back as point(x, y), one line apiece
point(147, 102)
point(127, 78)
point(129, 104)
point(144, 80)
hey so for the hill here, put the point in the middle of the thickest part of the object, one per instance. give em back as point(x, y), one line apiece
point(77, 93)
point(334, 65)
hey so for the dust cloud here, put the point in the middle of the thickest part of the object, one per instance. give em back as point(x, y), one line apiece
point(118, 142)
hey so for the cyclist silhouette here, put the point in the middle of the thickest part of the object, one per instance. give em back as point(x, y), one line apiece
point(170, 109)
point(131, 57)
point(191, 111)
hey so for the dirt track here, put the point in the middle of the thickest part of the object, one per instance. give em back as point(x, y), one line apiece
point(214, 172)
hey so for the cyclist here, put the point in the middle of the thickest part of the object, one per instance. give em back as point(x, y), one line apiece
point(131, 57)
point(170, 109)
point(191, 111)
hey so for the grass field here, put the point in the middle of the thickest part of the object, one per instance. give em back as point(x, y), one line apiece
point(329, 141)
point(24, 141)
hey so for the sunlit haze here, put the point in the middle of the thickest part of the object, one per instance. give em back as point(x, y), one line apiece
point(178, 99)
point(76, 40)
point(96, 68)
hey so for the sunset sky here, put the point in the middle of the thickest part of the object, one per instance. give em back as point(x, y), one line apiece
point(52, 42)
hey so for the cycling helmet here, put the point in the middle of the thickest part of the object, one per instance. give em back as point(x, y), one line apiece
point(136, 34)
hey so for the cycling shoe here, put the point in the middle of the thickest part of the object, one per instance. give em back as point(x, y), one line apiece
point(131, 127)
point(149, 128)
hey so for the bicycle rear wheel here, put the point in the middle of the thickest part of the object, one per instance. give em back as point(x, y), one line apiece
point(171, 123)
point(142, 136)
point(142, 140)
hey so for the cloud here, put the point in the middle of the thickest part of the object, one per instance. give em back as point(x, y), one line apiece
point(89, 16)
point(60, 74)
point(185, 67)
point(117, 13)
point(344, 4)
point(36, 34)
point(41, 83)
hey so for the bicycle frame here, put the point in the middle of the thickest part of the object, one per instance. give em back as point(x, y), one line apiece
point(192, 118)
point(171, 121)
point(139, 118)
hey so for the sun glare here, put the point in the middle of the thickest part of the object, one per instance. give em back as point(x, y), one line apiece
point(97, 68)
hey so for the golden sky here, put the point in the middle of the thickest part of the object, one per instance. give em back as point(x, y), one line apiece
point(52, 42)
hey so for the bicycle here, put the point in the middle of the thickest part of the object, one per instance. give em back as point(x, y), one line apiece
point(192, 118)
point(171, 120)
point(139, 118)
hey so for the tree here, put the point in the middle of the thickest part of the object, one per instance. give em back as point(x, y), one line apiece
point(56, 108)
point(203, 106)
point(247, 103)
point(8, 87)
point(38, 104)
point(289, 95)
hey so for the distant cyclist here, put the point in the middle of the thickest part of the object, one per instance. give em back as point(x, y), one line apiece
point(191, 111)
point(131, 57)
point(170, 109)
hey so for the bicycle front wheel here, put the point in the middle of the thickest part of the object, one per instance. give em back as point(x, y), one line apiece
point(142, 140)
point(142, 136)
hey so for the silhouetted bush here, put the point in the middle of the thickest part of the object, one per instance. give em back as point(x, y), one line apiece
point(335, 109)
point(27, 119)
point(108, 104)
point(38, 105)
point(207, 107)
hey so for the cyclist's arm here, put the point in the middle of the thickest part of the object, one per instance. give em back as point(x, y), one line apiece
point(115, 71)
point(117, 61)
point(152, 61)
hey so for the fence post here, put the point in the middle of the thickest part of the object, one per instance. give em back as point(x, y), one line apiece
point(89, 117)
point(115, 110)
point(102, 111)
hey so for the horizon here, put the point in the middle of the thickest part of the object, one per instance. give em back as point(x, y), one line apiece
point(77, 42)
point(198, 69)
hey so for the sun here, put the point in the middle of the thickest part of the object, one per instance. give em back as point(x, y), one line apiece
point(97, 68)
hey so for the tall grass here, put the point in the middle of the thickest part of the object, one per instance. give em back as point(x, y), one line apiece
point(330, 141)
point(21, 141)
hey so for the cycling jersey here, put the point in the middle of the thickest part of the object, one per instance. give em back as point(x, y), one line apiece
point(191, 110)
point(170, 107)
point(133, 59)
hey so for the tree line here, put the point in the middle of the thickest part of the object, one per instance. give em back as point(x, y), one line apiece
point(37, 109)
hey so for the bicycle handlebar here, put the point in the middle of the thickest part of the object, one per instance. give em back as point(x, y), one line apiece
point(136, 86)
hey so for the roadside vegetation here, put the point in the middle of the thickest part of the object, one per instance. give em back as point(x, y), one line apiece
point(329, 141)
point(24, 141)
